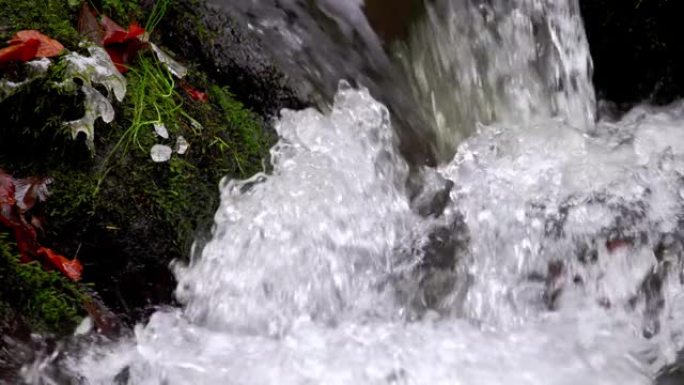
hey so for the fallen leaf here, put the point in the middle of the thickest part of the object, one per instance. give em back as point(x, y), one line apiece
point(115, 34)
point(121, 44)
point(47, 47)
point(17, 197)
point(30, 191)
point(20, 52)
point(71, 268)
point(194, 93)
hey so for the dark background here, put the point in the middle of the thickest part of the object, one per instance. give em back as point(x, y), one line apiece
point(638, 49)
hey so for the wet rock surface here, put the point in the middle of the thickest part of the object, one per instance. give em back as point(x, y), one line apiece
point(232, 54)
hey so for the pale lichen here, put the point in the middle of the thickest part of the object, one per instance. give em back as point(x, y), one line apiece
point(93, 70)
point(96, 106)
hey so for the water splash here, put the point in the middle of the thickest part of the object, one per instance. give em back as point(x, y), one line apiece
point(500, 61)
point(464, 62)
point(572, 266)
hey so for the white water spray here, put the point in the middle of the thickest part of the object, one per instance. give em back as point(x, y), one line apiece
point(499, 61)
point(300, 283)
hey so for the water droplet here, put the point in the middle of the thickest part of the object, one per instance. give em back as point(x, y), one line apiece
point(182, 145)
point(161, 153)
point(161, 130)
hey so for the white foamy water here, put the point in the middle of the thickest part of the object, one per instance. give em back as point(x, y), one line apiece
point(301, 281)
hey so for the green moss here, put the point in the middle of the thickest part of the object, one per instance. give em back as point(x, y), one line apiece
point(225, 140)
point(252, 140)
point(122, 11)
point(186, 12)
point(47, 301)
point(56, 18)
point(34, 138)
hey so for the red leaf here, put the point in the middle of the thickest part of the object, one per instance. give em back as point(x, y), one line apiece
point(114, 33)
point(110, 26)
point(122, 54)
point(7, 200)
point(6, 189)
point(20, 52)
point(194, 93)
point(72, 269)
point(122, 45)
point(117, 55)
point(26, 238)
point(16, 198)
point(47, 47)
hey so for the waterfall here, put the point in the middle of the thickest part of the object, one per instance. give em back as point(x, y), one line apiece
point(466, 61)
point(544, 249)
point(499, 61)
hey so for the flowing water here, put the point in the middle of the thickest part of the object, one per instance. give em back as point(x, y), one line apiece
point(544, 249)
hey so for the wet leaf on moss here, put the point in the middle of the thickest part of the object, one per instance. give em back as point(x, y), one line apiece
point(17, 198)
point(71, 268)
point(122, 44)
point(194, 93)
point(47, 47)
point(19, 52)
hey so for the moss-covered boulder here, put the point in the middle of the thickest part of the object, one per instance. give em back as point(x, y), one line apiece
point(123, 215)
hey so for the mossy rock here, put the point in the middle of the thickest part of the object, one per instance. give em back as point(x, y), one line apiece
point(44, 300)
point(123, 215)
point(128, 225)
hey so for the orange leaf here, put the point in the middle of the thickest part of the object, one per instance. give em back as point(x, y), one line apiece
point(47, 48)
point(72, 269)
point(20, 52)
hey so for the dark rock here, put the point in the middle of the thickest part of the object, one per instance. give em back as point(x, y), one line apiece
point(429, 192)
point(232, 54)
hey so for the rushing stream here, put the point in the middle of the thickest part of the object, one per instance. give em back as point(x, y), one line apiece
point(544, 249)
